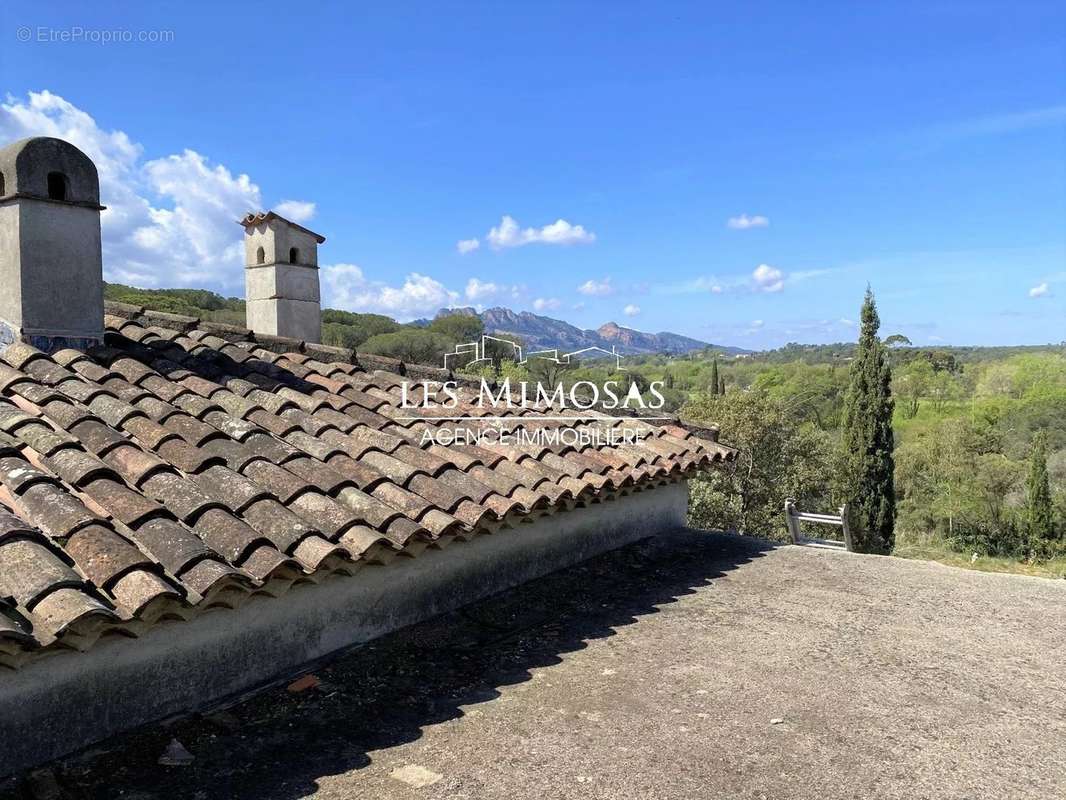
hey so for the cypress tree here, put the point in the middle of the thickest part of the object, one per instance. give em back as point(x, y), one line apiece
point(867, 465)
point(721, 385)
point(714, 376)
point(1039, 516)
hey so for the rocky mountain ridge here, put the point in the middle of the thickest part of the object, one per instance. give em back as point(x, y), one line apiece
point(544, 333)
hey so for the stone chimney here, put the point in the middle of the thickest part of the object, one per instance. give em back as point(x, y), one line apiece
point(51, 269)
point(281, 277)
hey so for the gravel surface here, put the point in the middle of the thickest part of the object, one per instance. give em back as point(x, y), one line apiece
point(691, 665)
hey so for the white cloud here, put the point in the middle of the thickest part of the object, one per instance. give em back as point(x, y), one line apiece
point(465, 246)
point(768, 279)
point(198, 236)
point(169, 221)
point(477, 289)
point(763, 279)
point(546, 304)
point(744, 222)
point(510, 234)
point(594, 288)
point(296, 210)
point(579, 306)
point(346, 287)
point(631, 310)
point(1040, 290)
point(481, 290)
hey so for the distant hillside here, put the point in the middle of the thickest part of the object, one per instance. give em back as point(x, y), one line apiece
point(348, 329)
point(639, 342)
point(545, 333)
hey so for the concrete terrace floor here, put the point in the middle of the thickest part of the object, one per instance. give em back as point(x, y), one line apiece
point(691, 665)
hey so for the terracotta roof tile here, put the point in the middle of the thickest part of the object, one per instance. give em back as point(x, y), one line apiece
point(10, 377)
point(180, 496)
point(151, 433)
point(280, 482)
point(331, 517)
point(364, 475)
point(137, 589)
point(121, 502)
point(402, 530)
point(280, 525)
point(67, 609)
point(273, 423)
point(53, 510)
point(230, 487)
point(13, 527)
point(182, 466)
point(372, 510)
point(133, 463)
point(77, 467)
point(395, 497)
point(35, 393)
point(266, 561)
point(312, 445)
point(186, 457)
point(103, 555)
point(20, 355)
point(208, 576)
point(314, 551)
point(472, 515)
point(227, 535)
point(361, 539)
point(29, 571)
point(175, 546)
point(93, 434)
point(329, 480)
point(190, 429)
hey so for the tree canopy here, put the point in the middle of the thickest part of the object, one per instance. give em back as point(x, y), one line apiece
point(867, 443)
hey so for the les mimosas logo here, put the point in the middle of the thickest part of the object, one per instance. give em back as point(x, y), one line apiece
point(582, 395)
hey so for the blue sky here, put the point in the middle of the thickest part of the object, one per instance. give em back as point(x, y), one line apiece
point(597, 152)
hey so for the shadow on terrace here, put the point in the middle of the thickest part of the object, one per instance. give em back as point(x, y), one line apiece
point(277, 745)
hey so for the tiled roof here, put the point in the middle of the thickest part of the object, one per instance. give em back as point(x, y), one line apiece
point(184, 466)
point(252, 218)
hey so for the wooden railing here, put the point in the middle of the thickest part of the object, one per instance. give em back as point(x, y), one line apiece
point(793, 518)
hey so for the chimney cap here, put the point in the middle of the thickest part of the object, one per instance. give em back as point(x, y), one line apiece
point(46, 168)
point(256, 218)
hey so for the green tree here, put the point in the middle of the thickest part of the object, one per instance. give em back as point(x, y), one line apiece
point(912, 383)
point(897, 340)
point(942, 388)
point(341, 336)
point(1039, 512)
point(714, 377)
point(549, 372)
point(502, 349)
point(348, 329)
point(459, 328)
point(410, 345)
point(777, 459)
point(866, 463)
